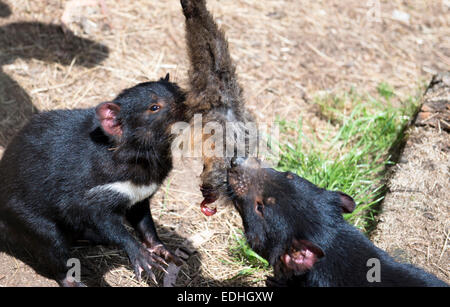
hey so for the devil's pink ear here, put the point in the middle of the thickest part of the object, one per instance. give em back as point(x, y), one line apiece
point(302, 256)
point(347, 203)
point(107, 115)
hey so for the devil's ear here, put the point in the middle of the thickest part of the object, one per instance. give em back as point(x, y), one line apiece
point(107, 115)
point(302, 256)
point(347, 203)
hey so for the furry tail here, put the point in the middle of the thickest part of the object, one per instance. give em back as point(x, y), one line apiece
point(214, 92)
point(212, 73)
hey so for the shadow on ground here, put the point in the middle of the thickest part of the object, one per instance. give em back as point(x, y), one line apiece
point(100, 265)
point(35, 40)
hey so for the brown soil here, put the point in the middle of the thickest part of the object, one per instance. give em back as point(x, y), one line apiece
point(415, 221)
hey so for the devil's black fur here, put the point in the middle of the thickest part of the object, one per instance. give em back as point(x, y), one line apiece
point(54, 178)
point(299, 228)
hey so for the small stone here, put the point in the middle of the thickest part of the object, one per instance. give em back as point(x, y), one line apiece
point(403, 160)
point(401, 16)
point(429, 216)
point(422, 116)
point(426, 108)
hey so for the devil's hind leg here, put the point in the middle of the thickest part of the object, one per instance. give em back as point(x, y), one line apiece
point(43, 246)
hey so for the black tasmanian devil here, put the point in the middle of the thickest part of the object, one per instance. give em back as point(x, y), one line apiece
point(299, 228)
point(80, 174)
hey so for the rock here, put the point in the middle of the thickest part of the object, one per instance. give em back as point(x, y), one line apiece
point(401, 16)
point(429, 216)
point(435, 111)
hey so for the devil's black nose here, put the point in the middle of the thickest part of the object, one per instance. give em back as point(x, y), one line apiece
point(236, 161)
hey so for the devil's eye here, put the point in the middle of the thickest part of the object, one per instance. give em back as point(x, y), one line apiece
point(259, 207)
point(154, 107)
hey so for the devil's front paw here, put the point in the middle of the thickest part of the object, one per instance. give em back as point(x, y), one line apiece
point(146, 260)
point(161, 251)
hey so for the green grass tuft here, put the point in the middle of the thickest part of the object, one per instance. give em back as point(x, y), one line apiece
point(353, 158)
point(243, 255)
point(386, 91)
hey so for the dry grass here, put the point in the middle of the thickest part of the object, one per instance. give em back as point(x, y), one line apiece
point(286, 52)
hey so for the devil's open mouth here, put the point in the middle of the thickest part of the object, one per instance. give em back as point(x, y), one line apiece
point(209, 197)
point(205, 209)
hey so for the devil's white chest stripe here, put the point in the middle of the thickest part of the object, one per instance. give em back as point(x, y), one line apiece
point(135, 193)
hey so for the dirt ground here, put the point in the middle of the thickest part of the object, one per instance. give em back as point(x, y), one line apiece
point(286, 53)
point(414, 225)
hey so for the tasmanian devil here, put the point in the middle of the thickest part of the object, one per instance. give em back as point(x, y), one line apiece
point(299, 228)
point(80, 174)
